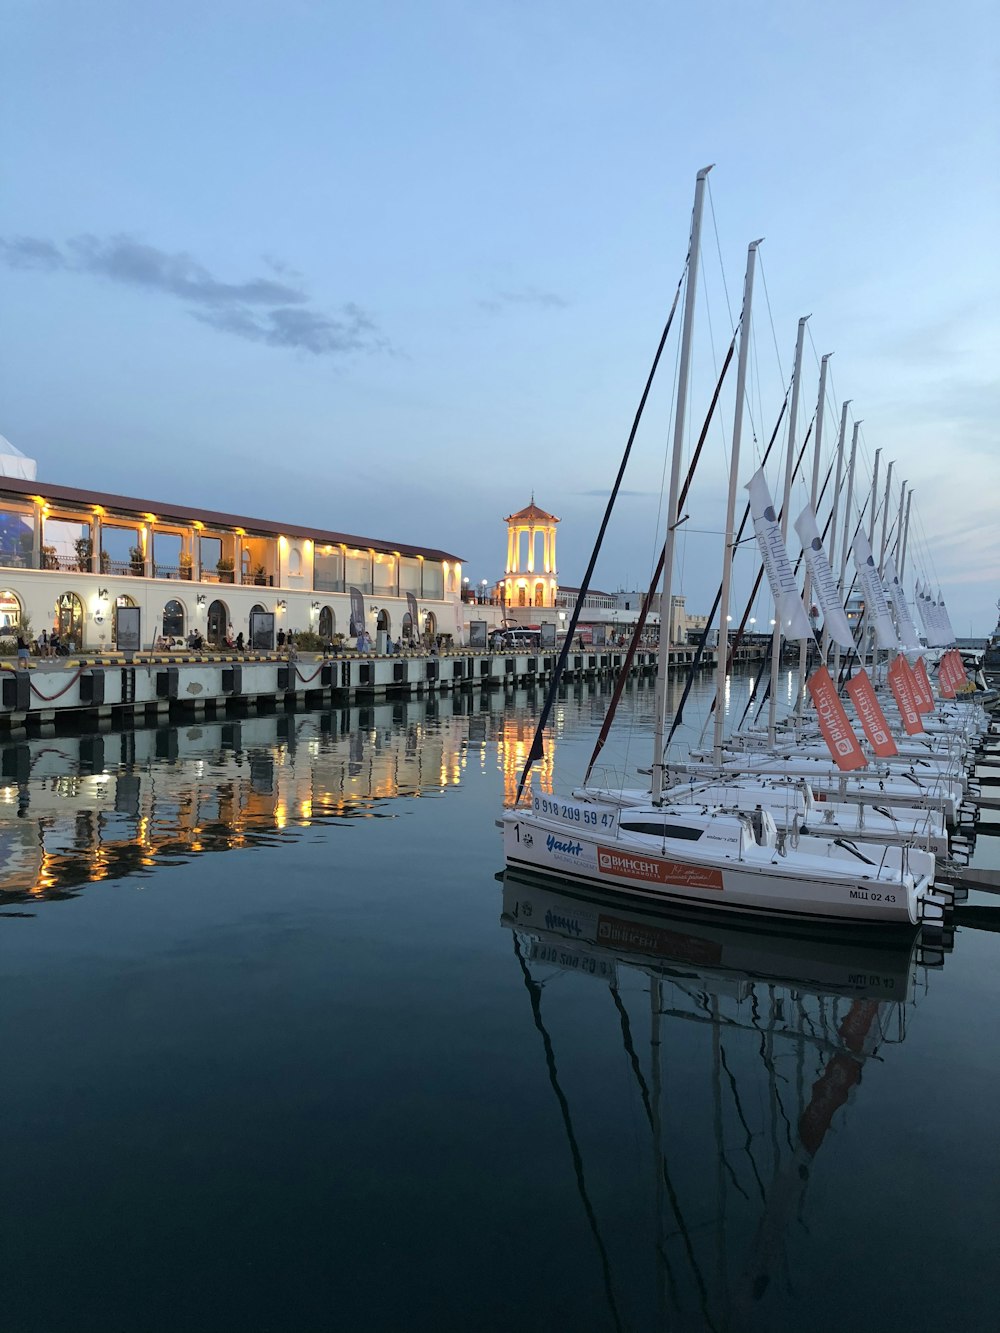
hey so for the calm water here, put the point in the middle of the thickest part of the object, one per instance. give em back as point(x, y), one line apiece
point(282, 1054)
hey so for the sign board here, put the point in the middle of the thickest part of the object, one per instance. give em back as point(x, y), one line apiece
point(127, 633)
point(600, 636)
point(548, 639)
point(477, 633)
point(262, 631)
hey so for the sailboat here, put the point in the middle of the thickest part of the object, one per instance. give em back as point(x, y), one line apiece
point(718, 858)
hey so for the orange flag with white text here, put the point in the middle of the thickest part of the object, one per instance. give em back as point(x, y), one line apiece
point(834, 723)
point(869, 711)
point(925, 704)
point(946, 677)
point(901, 684)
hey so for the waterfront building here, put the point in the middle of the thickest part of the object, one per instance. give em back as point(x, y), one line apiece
point(530, 578)
point(70, 558)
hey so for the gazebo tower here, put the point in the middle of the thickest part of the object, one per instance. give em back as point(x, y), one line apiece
point(528, 580)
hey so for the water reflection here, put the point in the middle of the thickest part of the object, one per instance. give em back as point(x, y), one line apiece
point(745, 1049)
point(78, 810)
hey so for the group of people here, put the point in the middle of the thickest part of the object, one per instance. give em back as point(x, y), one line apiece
point(46, 645)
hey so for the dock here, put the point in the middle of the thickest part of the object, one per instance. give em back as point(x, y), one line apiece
point(90, 691)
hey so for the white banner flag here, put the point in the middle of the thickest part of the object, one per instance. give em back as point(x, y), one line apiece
point(929, 618)
point(791, 614)
point(876, 607)
point(918, 600)
point(904, 619)
point(824, 585)
point(946, 626)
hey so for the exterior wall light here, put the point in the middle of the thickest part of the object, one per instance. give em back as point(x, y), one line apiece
point(282, 604)
point(103, 594)
point(201, 599)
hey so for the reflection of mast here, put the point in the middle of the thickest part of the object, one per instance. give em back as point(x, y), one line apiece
point(817, 1003)
point(840, 1075)
point(535, 995)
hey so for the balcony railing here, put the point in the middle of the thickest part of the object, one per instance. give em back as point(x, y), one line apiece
point(52, 563)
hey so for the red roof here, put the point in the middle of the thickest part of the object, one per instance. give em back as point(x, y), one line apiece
point(532, 514)
point(184, 515)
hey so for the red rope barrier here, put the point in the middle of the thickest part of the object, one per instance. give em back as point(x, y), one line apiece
point(48, 698)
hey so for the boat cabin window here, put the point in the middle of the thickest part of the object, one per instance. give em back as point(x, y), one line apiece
point(662, 830)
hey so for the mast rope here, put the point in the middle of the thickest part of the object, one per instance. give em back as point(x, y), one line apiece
point(537, 747)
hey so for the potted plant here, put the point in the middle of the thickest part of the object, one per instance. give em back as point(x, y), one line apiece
point(260, 575)
point(225, 567)
point(186, 562)
point(105, 562)
point(84, 547)
point(50, 560)
point(137, 559)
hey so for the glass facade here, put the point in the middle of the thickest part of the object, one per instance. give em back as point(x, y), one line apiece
point(328, 570)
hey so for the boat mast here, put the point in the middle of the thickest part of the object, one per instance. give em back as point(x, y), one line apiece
point(793, 414)
point(906, 535)
point(868, 639)
point(729, 539)
point(885, 520)
point(845, 545)
point(683, 378)
point(813, 492)
point(836, 508)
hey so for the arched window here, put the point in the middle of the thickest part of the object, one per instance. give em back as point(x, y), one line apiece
point(218, 620)
point(407, 626)
point(522, 598)
point(539, 594)
point(10, 612)
point(327, 623)
point(383, 621)
point(69, 618)
point(258, 608)
point(430, 625)
point(173, 619)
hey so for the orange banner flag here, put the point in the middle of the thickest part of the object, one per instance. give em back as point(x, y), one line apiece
point(901, 684)
point(834, 723)
point(925, 703)
point(869, 711)
point(946, 677)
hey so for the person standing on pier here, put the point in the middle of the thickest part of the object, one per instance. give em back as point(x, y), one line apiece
point(281, 638)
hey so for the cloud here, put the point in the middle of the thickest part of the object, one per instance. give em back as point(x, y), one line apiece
point(526, 296)
point(125, 260)
point(259, 309)
point(28, 252)
point(288, 326)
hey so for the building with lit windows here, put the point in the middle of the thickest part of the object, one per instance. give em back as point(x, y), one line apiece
point(69, 559)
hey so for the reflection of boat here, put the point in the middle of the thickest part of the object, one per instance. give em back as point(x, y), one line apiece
point(570, 926)
point(767, 1036)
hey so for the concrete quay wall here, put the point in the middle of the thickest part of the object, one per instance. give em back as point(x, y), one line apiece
point(84, 691)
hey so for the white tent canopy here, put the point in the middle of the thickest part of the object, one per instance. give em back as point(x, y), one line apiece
point(15, 464)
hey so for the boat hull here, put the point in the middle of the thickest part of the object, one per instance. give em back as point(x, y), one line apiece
point(764, 885)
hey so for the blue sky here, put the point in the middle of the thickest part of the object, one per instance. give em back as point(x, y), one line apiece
point(390, 267)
